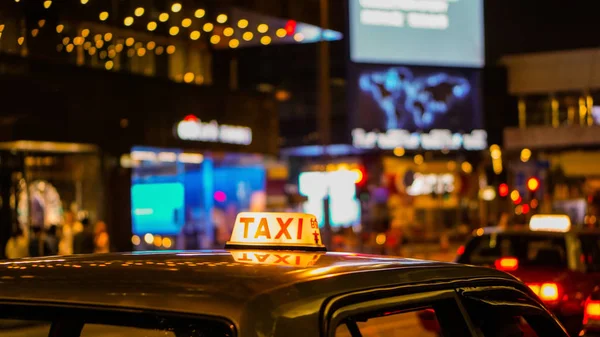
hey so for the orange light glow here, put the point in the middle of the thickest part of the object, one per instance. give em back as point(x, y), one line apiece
point(533, 184)
point(549, 292)
point(592, 310)
point(263, 258)
point(507, 263)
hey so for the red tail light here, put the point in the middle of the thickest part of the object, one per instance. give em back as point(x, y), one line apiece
point(547, 292)
point(507, 264)
point(592, 311)
point(460, 251)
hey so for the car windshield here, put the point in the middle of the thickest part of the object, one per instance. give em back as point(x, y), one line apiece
point(537, 250)
point(42, 321)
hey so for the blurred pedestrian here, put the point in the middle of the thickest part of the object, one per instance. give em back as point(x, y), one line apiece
point(83, 242)
point(101, 238)
point(65, 245)
point(52, 239)
point(18, 245)
point(38, 246)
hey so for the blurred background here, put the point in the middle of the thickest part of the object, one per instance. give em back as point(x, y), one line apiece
point(402, 125)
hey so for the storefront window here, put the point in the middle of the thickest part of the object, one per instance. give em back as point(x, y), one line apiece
point(190, 200)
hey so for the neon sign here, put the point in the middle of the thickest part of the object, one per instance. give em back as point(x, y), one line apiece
point(434, 140)
point(193, 129)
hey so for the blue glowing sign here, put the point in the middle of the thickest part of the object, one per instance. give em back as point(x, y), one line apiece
point(415, 99)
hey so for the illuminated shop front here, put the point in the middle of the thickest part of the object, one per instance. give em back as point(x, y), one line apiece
point(187, 198)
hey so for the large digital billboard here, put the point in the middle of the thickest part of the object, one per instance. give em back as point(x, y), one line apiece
point(416, 108)
point(417, 32)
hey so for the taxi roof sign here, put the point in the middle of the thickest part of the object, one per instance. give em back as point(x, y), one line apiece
point(550, 223)
point(276, 231)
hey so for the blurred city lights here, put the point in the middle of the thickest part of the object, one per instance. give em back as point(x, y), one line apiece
point(195, 35)
point(228, 31)
point(466, 167)
point(533, 184)
point(151, 26)
point(186, 22)
point(129, 41)
point(60, 28)
point(157, 240)
point(525, 155)
point(262, 28)
point(128, 21)
point(135, 240)
point(234, 43)
point(208, 27)
point(41, 23)
point(243, 23)
point(34, 32)
point(265, 40)
point(514, 195)
point(103, 16)
point(141, 52)
point(171, 49)
point(151, 45)
point(176, 7)
point(85, 32)
point(83, 2)
point(139, 11)
point(159, 50)
point(109, 65)
point(281, 32)
point(534, 203)
point(200, 13)
point(503, 190)
point(149, 238)
point(188, 77)
point(399, 152)
point(70, 47)
point(174, 30)
point(215, 39)
point(166, 242)
point(163, 17)
point(299, 37)
point(47, 4)
point(222, 18)
point(380, 239)
point(108, 37)
point(418, 159)
point(247, 36)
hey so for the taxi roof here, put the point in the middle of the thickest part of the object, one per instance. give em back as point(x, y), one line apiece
point(215, 283)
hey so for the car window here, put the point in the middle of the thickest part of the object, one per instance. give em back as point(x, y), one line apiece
point(44, 321)
point(407, 324)
point(505, 312)
point(590, 251)
point(440, 318)
point(531, 250)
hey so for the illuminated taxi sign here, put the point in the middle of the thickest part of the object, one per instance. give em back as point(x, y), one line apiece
point(288, 259)
point(276, 231)
point(550, 223)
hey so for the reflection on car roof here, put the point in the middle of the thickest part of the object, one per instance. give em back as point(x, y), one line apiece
point(221, 283)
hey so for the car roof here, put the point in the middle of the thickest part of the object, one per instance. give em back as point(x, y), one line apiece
point(215, 283)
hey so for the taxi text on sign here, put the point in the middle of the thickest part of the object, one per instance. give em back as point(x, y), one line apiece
point(281, 230)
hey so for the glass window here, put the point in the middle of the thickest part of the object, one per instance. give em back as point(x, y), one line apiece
point(43, 321)
point(530, 250)
point(420, 323)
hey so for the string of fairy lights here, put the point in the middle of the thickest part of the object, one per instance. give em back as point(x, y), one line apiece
point(135, 33)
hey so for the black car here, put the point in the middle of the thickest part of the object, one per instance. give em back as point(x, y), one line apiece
point(277, 285)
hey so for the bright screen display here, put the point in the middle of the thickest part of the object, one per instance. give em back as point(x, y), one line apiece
point(157, 208)
point(417, 32)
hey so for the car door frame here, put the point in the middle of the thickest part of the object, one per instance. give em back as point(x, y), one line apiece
point(349, 305)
